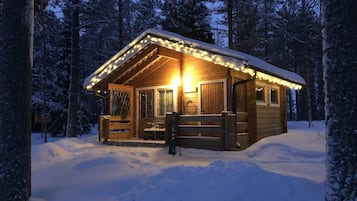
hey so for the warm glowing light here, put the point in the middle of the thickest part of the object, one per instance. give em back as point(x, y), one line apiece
point(176, 81)
point(188, 85)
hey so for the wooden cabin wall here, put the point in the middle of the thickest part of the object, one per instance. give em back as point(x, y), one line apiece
point(241, 90)
point(161, 76)
point(245, 102)
point(268, 121)
point(201, 70)
point(283, 110)
point(194, 71)
point(270, 118)
point(252, 112)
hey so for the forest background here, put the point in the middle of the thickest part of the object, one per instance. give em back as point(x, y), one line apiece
point(73, 38)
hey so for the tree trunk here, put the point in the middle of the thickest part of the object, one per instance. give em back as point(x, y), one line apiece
point(230, 23)
point(120, 24)
point(16, 44)
point(73, 104)
point(340, 71)
point(308, 101)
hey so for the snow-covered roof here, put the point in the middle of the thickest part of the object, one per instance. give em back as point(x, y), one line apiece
point(223, 56)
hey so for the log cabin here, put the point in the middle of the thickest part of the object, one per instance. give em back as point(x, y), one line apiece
point(222, 99)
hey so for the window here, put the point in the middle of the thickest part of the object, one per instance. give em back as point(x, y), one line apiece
point(165, 101)
point(267, 94)
point(146, 104)
point(260, 94)
point(274, 96)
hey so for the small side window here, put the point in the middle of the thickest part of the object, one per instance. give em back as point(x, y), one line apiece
point(260, 94)
point(274, 96)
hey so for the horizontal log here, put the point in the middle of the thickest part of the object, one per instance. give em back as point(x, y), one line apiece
point(200, 129)
point(114, 126)
point(199, 126)
point(201, 118)
point(198, 137)
point(119, 135)
point(242, 127)
point(242, 116)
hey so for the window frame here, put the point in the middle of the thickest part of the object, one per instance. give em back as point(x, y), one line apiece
point(158, 105)
point(265, 101)
point(274, 104)
point(156, 94)
point(146, 106)
point(267, 95)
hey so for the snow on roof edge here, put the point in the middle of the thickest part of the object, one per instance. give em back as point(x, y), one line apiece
point(121, 52)
point(254, 62)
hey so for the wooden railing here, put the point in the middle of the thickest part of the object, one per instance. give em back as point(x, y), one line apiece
point(208, 131)
point(111, 128)
point(211, 131)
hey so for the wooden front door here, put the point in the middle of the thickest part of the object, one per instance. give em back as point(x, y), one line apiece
point(121, 110)
point(212, 98)
point(146, 110)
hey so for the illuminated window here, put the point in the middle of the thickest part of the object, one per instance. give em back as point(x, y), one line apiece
point(146, 104)
point(165, 101)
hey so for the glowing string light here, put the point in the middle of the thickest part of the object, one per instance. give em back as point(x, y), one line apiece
point(181, 46)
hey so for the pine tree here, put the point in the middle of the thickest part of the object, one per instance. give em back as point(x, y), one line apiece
point(284, 44)
point(188, 18)
point(16, 44)
point(266, 27)
point(99, 40)
point(242, 15)
point(121, 23)
point(295, 46)
point(306, 35)
point(52, 52)
point(45, 52)
point(145, 15)
point(125, 27)
point(339, 32)
point(229, 10)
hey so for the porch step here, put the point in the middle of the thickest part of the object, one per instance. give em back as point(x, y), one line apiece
point(136, 143)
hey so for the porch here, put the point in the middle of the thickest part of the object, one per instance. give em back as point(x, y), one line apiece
point(225, 131)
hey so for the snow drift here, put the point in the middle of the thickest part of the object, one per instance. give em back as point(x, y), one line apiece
point(284, 167)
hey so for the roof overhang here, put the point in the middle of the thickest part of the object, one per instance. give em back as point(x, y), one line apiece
point(222, 56)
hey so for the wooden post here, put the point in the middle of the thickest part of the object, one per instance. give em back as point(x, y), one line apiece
point(173, 129)
point(168, 128)
point(229, 127)
point(103, 128)
point(106, 129)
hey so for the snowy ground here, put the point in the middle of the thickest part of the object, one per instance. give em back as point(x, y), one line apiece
point(285, 167)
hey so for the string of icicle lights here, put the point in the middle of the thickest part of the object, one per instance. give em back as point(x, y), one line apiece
point(180, 46)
